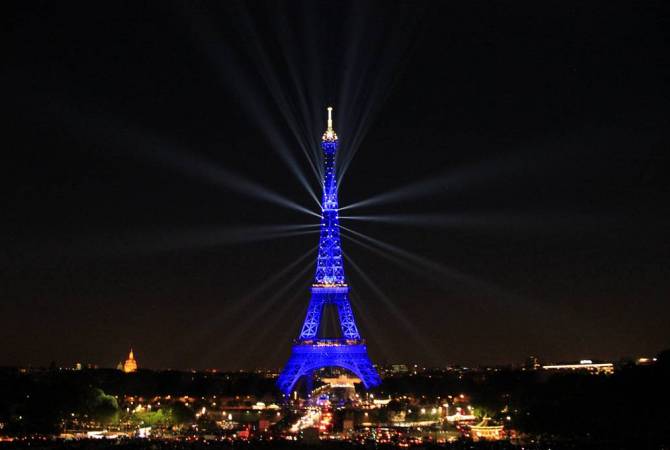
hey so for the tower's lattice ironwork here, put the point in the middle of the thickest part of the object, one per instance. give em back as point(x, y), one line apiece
point(310, 352)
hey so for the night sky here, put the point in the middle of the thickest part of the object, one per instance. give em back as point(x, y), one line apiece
point(524, 147)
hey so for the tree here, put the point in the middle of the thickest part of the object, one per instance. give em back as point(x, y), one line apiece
point(152, 419)
point(101, 407)
point(181, 414)
point(663, 360)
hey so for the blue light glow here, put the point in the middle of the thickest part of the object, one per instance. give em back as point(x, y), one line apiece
point(309, 351)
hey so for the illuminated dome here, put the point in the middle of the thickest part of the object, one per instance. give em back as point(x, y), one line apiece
point(130, 365)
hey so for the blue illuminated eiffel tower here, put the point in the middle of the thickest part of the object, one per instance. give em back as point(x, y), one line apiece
point(310, 352)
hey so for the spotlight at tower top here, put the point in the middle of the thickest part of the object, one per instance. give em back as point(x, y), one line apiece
point(330, 134)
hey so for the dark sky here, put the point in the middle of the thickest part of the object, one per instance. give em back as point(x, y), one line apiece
point(525, 144)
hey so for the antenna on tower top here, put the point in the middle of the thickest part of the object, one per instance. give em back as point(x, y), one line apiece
point(330, 135)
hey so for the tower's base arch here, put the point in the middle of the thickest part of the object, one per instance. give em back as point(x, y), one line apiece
point(309, 357)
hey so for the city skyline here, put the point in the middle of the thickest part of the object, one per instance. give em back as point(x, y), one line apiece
point(503, 191)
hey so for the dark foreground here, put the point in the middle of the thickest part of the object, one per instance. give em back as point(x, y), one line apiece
point(198, 445)
point(625, 410)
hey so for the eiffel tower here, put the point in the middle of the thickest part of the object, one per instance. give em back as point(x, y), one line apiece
point(310, 352)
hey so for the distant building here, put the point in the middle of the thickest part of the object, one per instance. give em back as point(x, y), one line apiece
point(485, 432)
point(130, 365)
point(645, 361)
point(585, 365)
point(340, 388)
point(532, 363)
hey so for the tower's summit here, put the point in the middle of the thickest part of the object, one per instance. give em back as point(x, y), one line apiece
point(329, 135)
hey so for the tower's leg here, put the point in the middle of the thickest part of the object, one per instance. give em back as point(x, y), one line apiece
point(346, 315)
point(310, 327)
